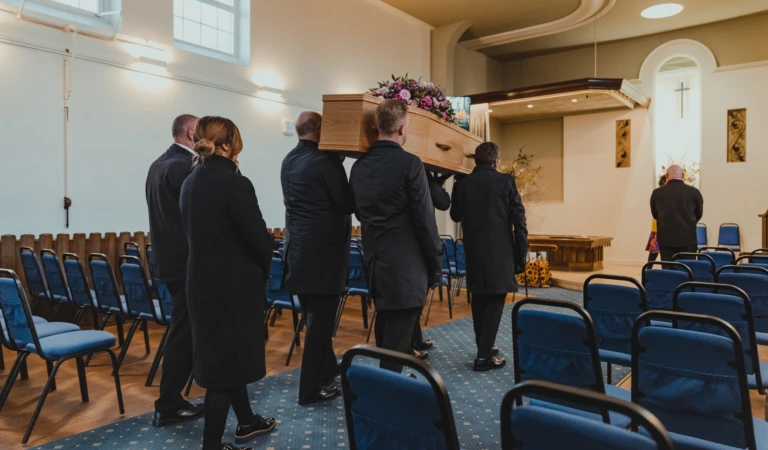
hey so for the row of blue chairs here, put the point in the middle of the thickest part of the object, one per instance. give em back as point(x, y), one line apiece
point(728, 236)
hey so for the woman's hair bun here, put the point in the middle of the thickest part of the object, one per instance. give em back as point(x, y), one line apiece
point(205, 148)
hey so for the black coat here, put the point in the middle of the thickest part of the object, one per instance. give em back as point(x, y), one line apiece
point(487, 204)
point(163, 188)
point(318, 207)
point(230, 252)
point(440, 198)
point(402, 245)
point(677, 209)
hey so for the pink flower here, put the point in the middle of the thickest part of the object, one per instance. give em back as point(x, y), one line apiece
point(427, 101)
point(445, 116)
point(405, 95)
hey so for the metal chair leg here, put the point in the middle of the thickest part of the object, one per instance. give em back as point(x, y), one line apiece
point(82, 379)
point(78, 316)
point(95, 318)
point(364, 307)
point(296, 338)
point(145, 328)
point(339, 312)
point(55, 311)
point(609, 374)
point(49, 386)
point(370, 328)
point(118, 390)
point(120, 334)
point(49, 368)
point(429, 304)
point(296, 326)
point(24, 370)
point(11, 380)
point(128, 339)
point(189, 383)
point(158, 358)
point(274, 317)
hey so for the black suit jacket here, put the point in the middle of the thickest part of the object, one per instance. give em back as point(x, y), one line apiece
point(393, 205)
point(677, 209)
point(318, 208)
point(163, 188)
point(492, 216)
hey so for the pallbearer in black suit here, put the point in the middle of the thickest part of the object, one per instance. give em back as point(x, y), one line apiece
point(163, 187)
point(487, 204)
point(402, 246)
point(230, 253)
point(318, 208)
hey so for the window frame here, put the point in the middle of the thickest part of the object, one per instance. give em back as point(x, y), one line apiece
point(51, 11)
point(238, 55)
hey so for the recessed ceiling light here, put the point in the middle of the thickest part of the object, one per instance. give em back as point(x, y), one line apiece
point(662, 10)
point(490, 111)
point(530, 106)
point(574, 100)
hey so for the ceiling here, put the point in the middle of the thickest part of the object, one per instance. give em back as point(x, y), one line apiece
point(622, 21)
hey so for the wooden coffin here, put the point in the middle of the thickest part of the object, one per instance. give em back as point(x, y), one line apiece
point(349, 126)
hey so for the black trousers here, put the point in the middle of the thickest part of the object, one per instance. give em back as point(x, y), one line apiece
point(418, 338)
point(319, 359)
point(668, 252)
point(394, 331)
point(217, 403)
point(177, 359)
point(487, 310)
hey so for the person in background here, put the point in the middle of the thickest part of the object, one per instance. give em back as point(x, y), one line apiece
point(402, 245)
point(653, 243)
point(318, 208)
point(677, 209)
point(230, 253)
point(492, 216)
point(169, 246)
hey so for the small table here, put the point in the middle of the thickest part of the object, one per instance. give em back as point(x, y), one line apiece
point(573, 253)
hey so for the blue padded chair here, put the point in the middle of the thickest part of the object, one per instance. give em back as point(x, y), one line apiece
point(443, 283)
point(721, 255)
point(754, 281)
point(57, 284)
point(279, 298)
point(752, 259)
point(132, 249)
point(732, 305)
point(140, 304)
point(702, 266)
point(729, 237)
point(461, 270)
point(614, 309)
point(694, 382)
point(531, 427)
point(82, 295)
point(55, 349)
point(701, 235)
point(357, 285)
point(660, 284)
point(560, 348)
point(387, 410)
point(448, 265)
point(35, 277)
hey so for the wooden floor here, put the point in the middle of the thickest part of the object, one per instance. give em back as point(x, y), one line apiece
point(64, 414)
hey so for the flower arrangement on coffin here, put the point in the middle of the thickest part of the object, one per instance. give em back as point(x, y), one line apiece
point(417, 93)
point(690, 171)
point(526, 177)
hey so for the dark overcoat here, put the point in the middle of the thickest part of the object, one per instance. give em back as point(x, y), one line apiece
point(677, 209)
point(163, 188)
point(393, 205)
point(318, 207)
point(492, 217)
point(230, 252)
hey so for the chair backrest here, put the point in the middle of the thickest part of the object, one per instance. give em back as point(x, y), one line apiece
point(726, 302)
point(754, 281)
point(729, 237)
point(450, 247)
point(275, 289)
point(554, 346)
point(57, 284)
point(758, 260)
point(356, 274)
point(150, 261)
point(378, 401)
point(536, 428)
point(701, 235)
point(613, 309)
point(694, 382)
point(278, 242)
point(104, 282)
point(721, 255)
point(36, 282)
point(77, 281)
point(132, 249)
point(15, 312)
point(660, 284)
point(702, 266)
point(138, 295)
point(461, 263)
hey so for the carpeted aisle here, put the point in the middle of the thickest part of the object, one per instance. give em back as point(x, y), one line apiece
point(476, 399)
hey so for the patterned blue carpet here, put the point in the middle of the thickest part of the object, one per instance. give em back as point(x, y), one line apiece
point(476, 399)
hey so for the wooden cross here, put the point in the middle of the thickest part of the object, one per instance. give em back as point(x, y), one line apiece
point(682, 92)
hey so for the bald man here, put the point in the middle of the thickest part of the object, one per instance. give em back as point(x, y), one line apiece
point(677, 209)
point(318, 208)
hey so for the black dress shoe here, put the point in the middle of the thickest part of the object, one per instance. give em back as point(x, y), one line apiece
point(325, 394)
point(481, 365)
point(262, 425)
point(190, 412)
point(327, 381)
point(424, 345)
point(495, 351)
point(421, 354)
point(229, 446)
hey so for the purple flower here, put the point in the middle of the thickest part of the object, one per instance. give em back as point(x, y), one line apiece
point(445, 116)
point(427, 101)
point(405, 94)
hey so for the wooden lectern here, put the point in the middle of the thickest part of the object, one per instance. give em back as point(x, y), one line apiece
point(765, 228)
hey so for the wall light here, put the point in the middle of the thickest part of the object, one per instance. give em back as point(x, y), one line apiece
point(662, 10)
point(269, 95)
point(530, 106)
point(149, 65)
point(574, 100)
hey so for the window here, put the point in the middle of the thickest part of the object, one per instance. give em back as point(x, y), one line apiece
point(93, 14)
point(94, 6)
point(215, 28)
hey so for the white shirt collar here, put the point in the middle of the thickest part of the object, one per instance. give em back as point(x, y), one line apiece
point(185, 148)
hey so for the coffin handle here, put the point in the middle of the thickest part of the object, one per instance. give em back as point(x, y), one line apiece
point(469, 155)
point(442, 146)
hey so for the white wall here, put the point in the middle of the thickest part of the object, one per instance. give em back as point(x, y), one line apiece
point(120, 119)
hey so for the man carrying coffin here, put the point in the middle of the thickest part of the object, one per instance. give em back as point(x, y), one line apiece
point(487, 204)
point(402, 245)
point(318, 207)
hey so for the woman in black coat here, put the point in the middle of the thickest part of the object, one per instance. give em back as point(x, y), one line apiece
point(229, 258)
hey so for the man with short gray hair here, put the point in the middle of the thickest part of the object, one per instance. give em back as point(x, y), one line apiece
point(677, 209)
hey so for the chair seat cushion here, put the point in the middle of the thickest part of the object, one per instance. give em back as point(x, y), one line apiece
point(285, 304)
point(73, 343)
point(120, 311)
point(357, 292)
point(752, 380)
point(617, 419)
point(46, 329)
point(762, 338)
point(158, 313)
point(36, 319)
point(622, 359)
point(442, 282)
